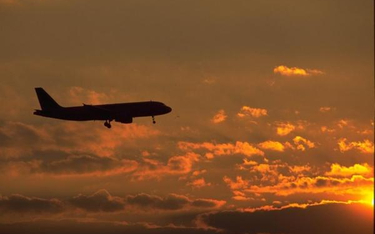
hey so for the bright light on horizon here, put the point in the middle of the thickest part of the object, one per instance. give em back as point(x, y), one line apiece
point(370, 198)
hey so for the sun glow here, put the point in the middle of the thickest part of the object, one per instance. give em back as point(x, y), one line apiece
point(370, 198)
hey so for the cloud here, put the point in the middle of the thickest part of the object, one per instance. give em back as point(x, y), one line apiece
point(295, 71)
point(342, 123)
point(199, 183)
point(238, 184)
point(171, 202)
point(281, 179)
point(219, 117)
point(209, 80)
point(94, 226)
point(326, 129)
point(196, 173)
point(73, 137)
point(23, 135)
point(222, 149)
point(284, 129)
point(54, 163)
point(355, 185)
point(101, 201)
point(325, 219)
point(356, 169)
point(86, 165)
point(254, 112)
point(365, 146)
point(176, 165)
point(272, 145)
point(72, 149)
point(302, 143)
point(79, 95)
point(21, 204)
point(240, 196)
point(275, 172)
point(207, 203)
point(325, 109)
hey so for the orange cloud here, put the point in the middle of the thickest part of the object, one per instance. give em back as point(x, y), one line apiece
point(219, 117)
point(254, 112)
point(295, 71)
point(272, 145)
point(325, 109)
point(357, 184)
point(284, 129)
point(83, 149)
point(176, 165)
point(298, 205)
point(222, 149)
point(105, 142)
point(209, 80)
point(326, 129)
point(302, 143)
point(73, 136)
point(299, 169)
point(79, 95)
point(273, 173)
point(238, 184)
point(356, 169)
point(281, 179)
point(365, 146)
point(240, 196)
point(196, 173)
point(342, 123)
point(199, 183)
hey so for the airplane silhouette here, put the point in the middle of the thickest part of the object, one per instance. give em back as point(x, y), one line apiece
point(119, 112)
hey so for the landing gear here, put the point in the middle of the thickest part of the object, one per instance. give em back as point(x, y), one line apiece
point(153, 120)
point(107, 123)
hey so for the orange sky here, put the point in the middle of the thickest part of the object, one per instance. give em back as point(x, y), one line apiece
point(272, 116)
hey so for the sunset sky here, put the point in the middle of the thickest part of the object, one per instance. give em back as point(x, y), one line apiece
point(272, 128)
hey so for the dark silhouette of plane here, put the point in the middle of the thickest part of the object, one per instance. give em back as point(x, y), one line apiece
point(119, 112)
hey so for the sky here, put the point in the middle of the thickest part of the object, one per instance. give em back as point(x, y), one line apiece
point(272, 128)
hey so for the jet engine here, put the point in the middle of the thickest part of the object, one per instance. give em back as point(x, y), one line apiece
point(124, 119)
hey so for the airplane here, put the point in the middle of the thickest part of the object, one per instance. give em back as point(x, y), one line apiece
point(119, 112)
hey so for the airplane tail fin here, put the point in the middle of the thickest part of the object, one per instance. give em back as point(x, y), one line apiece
point(45, 100)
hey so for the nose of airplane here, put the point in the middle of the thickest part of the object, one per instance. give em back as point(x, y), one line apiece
point(167, 109)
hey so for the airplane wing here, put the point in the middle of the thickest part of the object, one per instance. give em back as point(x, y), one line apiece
point(98, 110)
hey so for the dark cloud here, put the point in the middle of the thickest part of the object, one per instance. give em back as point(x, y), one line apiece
point(171, 202)
point(80, 164)
point(93, 227)
point(205, 203)
point(324, 219)
point(97, 202)
point(103, 201)
point(22, 204)
point(4, 139)
point(61, 163)
point(21, 134)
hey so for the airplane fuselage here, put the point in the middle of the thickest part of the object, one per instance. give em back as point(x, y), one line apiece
point(106, 112)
